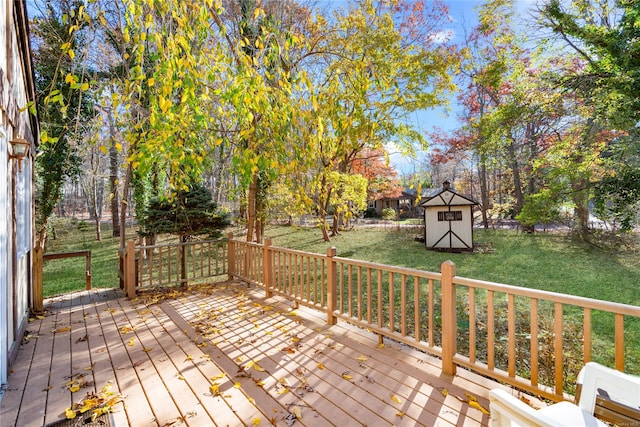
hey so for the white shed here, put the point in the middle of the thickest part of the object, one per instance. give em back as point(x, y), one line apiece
point(448, 220)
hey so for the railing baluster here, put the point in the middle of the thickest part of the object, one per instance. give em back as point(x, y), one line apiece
point(403, 306)
point(490, 331)
point(472, 324)
point(557, 348)
point(511, 338)
point(350, 292)
point(619, 340)
point(430, 314)
point(380, 317)
point(534, 341)
point(369, 297)
point(359, 288)
point(416, 307)
point(586, 334)
point(392, 299)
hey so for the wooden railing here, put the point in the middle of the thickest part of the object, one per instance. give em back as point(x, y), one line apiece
point(38, 265)
point(520, 336)
point(531, 339)
point(171, 264)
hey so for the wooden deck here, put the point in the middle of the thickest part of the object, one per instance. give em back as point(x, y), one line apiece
point(223, 355)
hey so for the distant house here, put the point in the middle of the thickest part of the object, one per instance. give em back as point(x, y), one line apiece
point(18, 128)
point(448, 220)
point(405, 203)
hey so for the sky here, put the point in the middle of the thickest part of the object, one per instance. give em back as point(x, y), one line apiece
point(463, 14)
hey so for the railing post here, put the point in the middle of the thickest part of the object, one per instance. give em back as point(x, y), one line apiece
point(231, 256)
point(448, 271)
point(267, 278)
point(88, 271)
point(38, 304)
point(130, 280)
point(331, 286)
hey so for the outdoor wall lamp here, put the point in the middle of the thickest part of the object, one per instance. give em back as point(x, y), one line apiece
point(19, 150)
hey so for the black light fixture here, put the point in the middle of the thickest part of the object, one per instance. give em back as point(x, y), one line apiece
point(19, 150)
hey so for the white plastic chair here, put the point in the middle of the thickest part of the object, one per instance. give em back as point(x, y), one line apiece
point(597, 380)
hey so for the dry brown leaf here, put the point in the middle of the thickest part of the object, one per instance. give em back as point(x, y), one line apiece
point(65, 329)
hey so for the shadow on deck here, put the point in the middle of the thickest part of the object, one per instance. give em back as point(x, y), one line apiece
point(224, 355)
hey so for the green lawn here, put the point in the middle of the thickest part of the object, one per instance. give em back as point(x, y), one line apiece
point(551, 262)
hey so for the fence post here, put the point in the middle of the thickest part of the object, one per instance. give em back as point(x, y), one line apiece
point(267, 278)
point(448, 271)
point(231, 256)
point(331, 286)
point(88, 271)
point(130, 279)
point(38, 304)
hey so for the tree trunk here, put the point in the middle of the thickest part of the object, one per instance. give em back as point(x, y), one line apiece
point(113, 184)
point(484, 191)
point(251, 208)
point(517, 181)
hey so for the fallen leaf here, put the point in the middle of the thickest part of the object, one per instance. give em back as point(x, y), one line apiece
point(70, 413)
point(320, 366)
point(259, 383)
point(471, 397)
point(146, 349)
point(400, 414)
point(65, 329)
point(362, 358)
point(74, 388)
point(396, 399)
point(237, 385)
point(346, 375)
point(444, 392)
point(132, 340)
point(217, 377)
point(188, 358)
point(475, 404)
point(255, 421)
point(47, 388)
point(180, 377)
point(297, 412)
point(215, 389)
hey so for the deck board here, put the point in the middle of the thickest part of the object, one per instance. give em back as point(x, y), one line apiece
point(330, 375)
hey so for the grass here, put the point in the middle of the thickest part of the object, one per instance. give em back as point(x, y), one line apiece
point(547, 261)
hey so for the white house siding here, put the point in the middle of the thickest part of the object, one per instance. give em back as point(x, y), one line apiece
point(16, 192)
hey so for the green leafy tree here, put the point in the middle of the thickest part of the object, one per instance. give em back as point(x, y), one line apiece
point(185, 213)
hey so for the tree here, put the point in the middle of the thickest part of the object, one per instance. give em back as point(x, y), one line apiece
point(382, 181)
point(186, 214)
point(62, 103)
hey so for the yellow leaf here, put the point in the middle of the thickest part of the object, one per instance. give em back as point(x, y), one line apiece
point(237, 385)
point(74, 388)
point(252, 400)
point(70, 413)
point(400, 414)
point(297, 412)
point(346, 376)
point(103, 149)
point(151, 81)
point(283, 390)
point(475, 404)
point(471, 397)
point(132, 341)
point(396, 399)
point(65, 329)
point(85, 86)
point(180, 377)
point(362, 359)
point(146, 349)
point(217, 377)
point(444, 392)
point(320, 366)
point(255, 421)
point(258, 367)
point(215, 389)
point(188, 358)
point(71, 53)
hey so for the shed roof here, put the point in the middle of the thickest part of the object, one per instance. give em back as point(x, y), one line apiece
point(447, 197)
